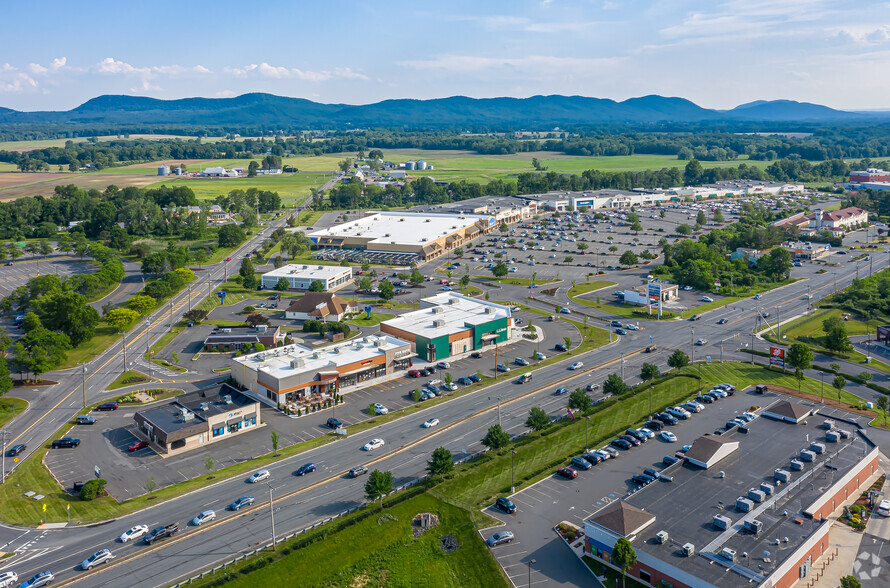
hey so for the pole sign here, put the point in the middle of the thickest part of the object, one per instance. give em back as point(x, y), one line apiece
point(368, 311)
point(222, 296)
point(777, 356)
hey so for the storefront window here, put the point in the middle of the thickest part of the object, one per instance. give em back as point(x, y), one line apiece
point(235, 427)
point(219, 431)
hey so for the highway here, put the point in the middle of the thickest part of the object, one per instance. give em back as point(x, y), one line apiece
point(302, 501)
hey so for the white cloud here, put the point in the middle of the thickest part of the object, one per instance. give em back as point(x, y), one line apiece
point(536, 63)
point(226, 94)
point(145, 87)
point(280, 72)
point(36, 68)
point(55, 65)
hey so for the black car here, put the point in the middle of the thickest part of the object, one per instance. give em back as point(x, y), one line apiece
point(631, 439)
point(161, 533)
point(704, 399)
point(66, 442)
point(654, 425)
point(16, 450)
point(476, 355)
point(621, 444)
point(722, 321)
point(334, 423)
point(505, 505)
point(431, 369)
point(643, 479)
point(669, 460)
point(666, 418)
point(561, 347)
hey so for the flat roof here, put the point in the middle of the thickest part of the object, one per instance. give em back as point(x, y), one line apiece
point(402, 228)
point(278, 362)
point(314, 272)
point(455, 310)
point(685, 507)
point(167, 419)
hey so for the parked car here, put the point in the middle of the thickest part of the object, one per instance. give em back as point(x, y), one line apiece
point(307, 468)
point(620, 332)
point(430, 423)
point(16, 450)
point(502, 368)
point(505, 505)
point(569, 473)
point(692, 406)
point(643, 479)
point(520, 361)
point(476, 355)
point(616, 324)
point(443, 365)
point(700, 342)
point(107, 406)
point(499, 538)
point(654, 425)
point(41, 579)
point(413, 373)
point(241, 503)
point(669, 460)
point(631, 439)
point(334, 423)
point(475, 378)
point(204, 517)
point(373, 444)
point(668, 436)
point(259, 476)
point(133, 533)
point(65, 442)
point(464, 381)
point(380, 409)
point(621, 444)
point(580, 462)
point(646, 432)
point(137, 445)
point(358, 471)
point(666, 418)
point(678, 412)
point(161, 533)
point(593, 457)
point(603, 453)
point(560, 347)
point(7, 579)
point(540, 356)
point(707, 299)
point(85, 419)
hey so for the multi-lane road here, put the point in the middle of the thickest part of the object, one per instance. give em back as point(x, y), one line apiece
point(299, 502)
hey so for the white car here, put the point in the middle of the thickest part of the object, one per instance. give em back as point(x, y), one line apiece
point(373, 444)
point(430, 423)
point(884, 508)
point(380, 409)
point(668, 436)
point(8, 579)
point(631, 327)
point(576, 365)
point(540, 356)
point(434, 382)
point(678, 412)
point(259, 476)
point(701, 342)
point(204, 517)
point(100, 557)
point(707, 299)
point(134, 533)
point(444, 365)
point(647, 432)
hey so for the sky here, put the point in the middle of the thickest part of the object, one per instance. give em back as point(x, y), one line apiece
point(718, 53)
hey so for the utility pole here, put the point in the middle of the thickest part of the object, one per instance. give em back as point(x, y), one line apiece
point(83, 373)
point(752, 341)
point(272, 512)
point(190, 296)
point(622, 366)
point(512, 473)
point(124, 346)
point(692, 344)
point(5, 435)
point(171, 314)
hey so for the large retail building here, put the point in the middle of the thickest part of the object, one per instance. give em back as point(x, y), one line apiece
point(449, 324)
point(300, 277)
point(295, 374)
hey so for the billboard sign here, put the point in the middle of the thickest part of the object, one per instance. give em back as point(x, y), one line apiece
point(654, 289)
point(777, 356)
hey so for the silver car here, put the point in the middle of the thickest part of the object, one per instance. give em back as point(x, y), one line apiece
point(100, 557)
point(500, 538)
point(204, 517)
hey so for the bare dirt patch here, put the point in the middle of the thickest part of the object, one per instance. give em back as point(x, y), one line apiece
point(12, 179)
point(34, 185)
point(449, 543)
point(423, 522)
point(171, 162)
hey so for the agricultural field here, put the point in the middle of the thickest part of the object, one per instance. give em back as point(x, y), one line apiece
point(23, 146)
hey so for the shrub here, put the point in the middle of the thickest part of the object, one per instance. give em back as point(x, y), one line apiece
point(92, 489)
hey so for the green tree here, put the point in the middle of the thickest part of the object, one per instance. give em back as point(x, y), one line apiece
point(283, 285)
point(92, 489)
point(440, 462)
point(865, 376)
point(777, 264)
point(387, 290)
point(40, 351)
point(835, 367)
point(693, 172)
point(464, 281)
point(150, 484)
point(628, 258)
point(448, 378)
point(256, 318)
point(121, 318)
point(231, 236)
point(567, 341)
point(614, 385)
point(700, 218)
point(416, 277)
point(648, 372)
point(678, 359)
point(718, 216)
point(379, 484)
point(500, 270)
point(613, 248)
point(623, 554)
point(209, 463)
point(850, 582)
point(248, 275)
point(275, 439)
point(142, 304)
point(684, 229)
point(67, 312)
point(883, 404)
point(5, 377)
point(251, 169)
point(316, 286)
point(496, 438)
point(839, 382)
point(503, 228)
point(537, 419)
point(580, 400)
point(661, 213)
point(836, 338)
point(278, 262)
point(799, 357)
point(365, 283)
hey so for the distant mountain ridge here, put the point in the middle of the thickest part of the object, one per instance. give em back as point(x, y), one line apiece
point(534, 112)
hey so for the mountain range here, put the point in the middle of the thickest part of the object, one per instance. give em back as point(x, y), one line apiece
point(457, 111)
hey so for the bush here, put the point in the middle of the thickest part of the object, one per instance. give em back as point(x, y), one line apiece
point(92, 489)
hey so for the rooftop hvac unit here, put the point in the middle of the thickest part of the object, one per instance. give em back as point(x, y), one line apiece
point(438, 310)
point(828, 424)
point(452, 300)
point(807, 455)
point(489, 310)
point(227, 399)
point(722, 522)
point(438, 323)
point(661, 537)
point(379, 343)
point(782, 475)
point(188, 416)
point(753, 526)
point(818, 448)
point(205, 406)
point(833, 436)
point(728, 553)
point(335, 350)
point(845, 434)
point(756, 495)
point(688, 549)
point(298, 363)
point(744, 505)
point(796, 465)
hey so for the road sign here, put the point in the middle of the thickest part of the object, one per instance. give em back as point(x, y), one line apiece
point(16, 460)
point(44, 507)
point(777, 356)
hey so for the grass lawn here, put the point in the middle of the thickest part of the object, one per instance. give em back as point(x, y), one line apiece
point(10, 407)
point(470, 291)
point(583, 288)
point(88, 350)
point(293, 188)
point(376, 319)
point(309, 218)
point(129, 378)
point(381, 551)
point(513, 281)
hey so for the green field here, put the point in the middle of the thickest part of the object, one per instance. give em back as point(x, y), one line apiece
point(10, 408)
point(293, 188)
point(376, 319)
point(44, 143)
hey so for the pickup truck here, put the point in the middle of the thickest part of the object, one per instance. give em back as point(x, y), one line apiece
point(162, 533)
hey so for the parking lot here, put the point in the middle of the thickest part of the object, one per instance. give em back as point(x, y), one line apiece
point(542, 506)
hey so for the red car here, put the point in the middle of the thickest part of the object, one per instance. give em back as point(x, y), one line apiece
point(567, 473)
point(228, 259)
point(413, 373)
point(137, 445)
point(107, 406)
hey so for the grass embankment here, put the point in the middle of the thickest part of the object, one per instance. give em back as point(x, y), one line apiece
point(808, 330)
point(10, 408)
point(376, 319)
point(514, 281)
point(742, 295)
point(129, 378)
point(379, 550)
point(105, 337)
point(585, 287)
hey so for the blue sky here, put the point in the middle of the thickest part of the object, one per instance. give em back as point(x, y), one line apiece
point(718, 53)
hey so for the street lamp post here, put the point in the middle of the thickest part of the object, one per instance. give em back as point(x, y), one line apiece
point(822, 391)
point(530, 571)
point(4, 434)
point(83, 373)
point(586, 439)
point(692, 344)
point(512, 473)
point(272, 512)
point(124, 346)
point(171, 314)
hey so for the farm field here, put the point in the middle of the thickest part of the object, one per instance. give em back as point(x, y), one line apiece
point(23, 146)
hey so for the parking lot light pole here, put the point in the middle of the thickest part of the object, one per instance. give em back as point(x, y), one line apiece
point(530, 571)
point(822, 391)
point(124, 346)
point(512, 473)
point(272, 512)
point(83, 366)
point(5, 435)
point(586, 439)
point(692, 344)
point(171, 314)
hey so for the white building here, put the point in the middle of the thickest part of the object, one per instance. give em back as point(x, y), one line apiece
point(219, 172)
point(300, 277)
